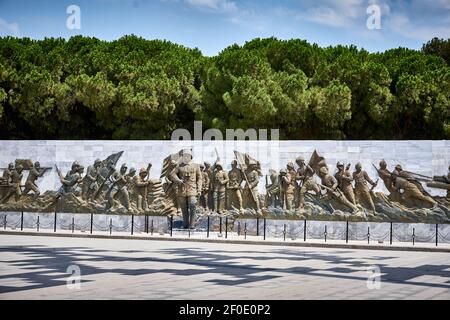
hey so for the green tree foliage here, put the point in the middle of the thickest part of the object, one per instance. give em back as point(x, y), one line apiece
point(132, 88)
point(439, 47)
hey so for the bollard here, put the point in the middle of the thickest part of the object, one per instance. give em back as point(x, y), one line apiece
point(325, 234)
point(171, 225)
point(257, 226)
point(21, 222)
point(239, 228)
point(132, 224)
point(110, 226)
point(220, 225)
point(226, 227)
point(37, 224)
point(264, 228)
point(54, 223)
point(284, 232)
point(346, 233)
point(207, 227)
point(151, 228)
point(414, 235)
point(368, 235)
point(73, 224)
point(245, 230)
point(4, 222)
point(304, 230)
point(92, 221)
point(437, 232)
point(390, 235)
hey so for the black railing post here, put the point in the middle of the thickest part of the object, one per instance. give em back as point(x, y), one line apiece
point(207, 227)
point(92, 221)
point(220, 225)
point(146, 223)
point(151, 228)
point(257, 226)
point(264, 228)
point(54, 223)
point(4, 222)
point(414, 235)
point(245, 230)
point(239, 228)
point(304, 230)
point(284, 232)
point(73, 224)
point(171, 225)
point(21, 221)
point(132, 224)
point(437, 233)
point(368, 235)
point(346, 233)
point(390, 235)
point(226, 227)
point(325, 234)
point(37, 224)
point(110, 226)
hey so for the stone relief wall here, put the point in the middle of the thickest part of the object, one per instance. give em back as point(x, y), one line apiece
point(426, 158)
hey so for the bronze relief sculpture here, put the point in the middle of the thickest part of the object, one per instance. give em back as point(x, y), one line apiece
point(301, 190)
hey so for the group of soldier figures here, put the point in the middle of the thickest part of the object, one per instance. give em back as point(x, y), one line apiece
point(217, 190)
point(101, 182)
point(289, 186)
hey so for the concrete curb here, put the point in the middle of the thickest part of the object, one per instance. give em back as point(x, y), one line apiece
point(230, 241)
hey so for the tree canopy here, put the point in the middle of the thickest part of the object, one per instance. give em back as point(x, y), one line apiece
point(132, 88)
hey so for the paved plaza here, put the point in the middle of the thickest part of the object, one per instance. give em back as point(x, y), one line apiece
point(33, 267)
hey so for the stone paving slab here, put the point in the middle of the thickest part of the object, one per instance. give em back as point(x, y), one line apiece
point(37, 268)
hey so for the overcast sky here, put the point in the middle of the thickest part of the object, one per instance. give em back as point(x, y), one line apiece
point(212, 25)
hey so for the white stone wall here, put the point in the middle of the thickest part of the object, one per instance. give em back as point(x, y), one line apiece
point(424, 157)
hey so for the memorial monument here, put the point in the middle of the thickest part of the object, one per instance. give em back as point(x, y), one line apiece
point(306, 189)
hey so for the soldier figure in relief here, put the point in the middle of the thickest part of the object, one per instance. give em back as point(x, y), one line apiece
point(7, 174)
point(30, 184)
point(344, 178)
point(90, 184)
point(251, 185)
point(330, 184)
point(386, 176)
point(410, 191)
point(72, 179)
point(119, 188)
point(140, 190)
point(14, 189)
point(288, 186)
point(272, 189)
point(205, 187)
point(220, 181)
point(305, 176)
point(235, 179)
point(362, 190)
point(209, 172)
point(188, 177)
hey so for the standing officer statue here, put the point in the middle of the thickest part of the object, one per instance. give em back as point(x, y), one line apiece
point(188, 177)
